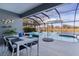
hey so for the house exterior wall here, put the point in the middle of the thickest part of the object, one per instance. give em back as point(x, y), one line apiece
point(17, 23)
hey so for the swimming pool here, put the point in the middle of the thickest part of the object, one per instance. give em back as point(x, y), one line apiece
point(55, 36)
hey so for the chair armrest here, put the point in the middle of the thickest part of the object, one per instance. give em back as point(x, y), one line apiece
point(25, 46)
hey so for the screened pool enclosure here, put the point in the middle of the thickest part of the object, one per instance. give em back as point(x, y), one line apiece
point(47, 29)
point(60, 22)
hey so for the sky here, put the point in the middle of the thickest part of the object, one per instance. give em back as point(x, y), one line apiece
point(67, 12)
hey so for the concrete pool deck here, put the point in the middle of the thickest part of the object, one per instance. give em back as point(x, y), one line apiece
point(55, 48)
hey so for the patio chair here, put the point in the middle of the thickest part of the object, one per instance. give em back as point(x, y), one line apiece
point(30, 44)
point(5, 39)
point(13, 48)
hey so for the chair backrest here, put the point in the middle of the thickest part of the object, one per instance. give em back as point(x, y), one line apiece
point(9, 45)
point(5, 40)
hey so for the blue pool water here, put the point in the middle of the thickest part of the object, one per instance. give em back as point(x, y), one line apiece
point(37, 33)
point(55, 36)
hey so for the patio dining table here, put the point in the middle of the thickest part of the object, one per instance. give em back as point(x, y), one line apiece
point(26, 40)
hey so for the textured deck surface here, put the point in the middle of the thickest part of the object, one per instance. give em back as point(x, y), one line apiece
point(55, 48)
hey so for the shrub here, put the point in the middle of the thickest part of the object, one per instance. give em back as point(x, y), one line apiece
point(29, 29)
point(9, 32)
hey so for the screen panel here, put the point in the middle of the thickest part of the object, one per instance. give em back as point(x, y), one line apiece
point(67, 11)
point(37, 19)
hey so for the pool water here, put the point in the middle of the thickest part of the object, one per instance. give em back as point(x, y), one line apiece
point(55, 36)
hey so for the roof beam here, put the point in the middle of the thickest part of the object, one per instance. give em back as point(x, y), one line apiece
point(39, 18)
point(58, 13)
point(45, 15)
point(39, 8)
point(34, 20)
